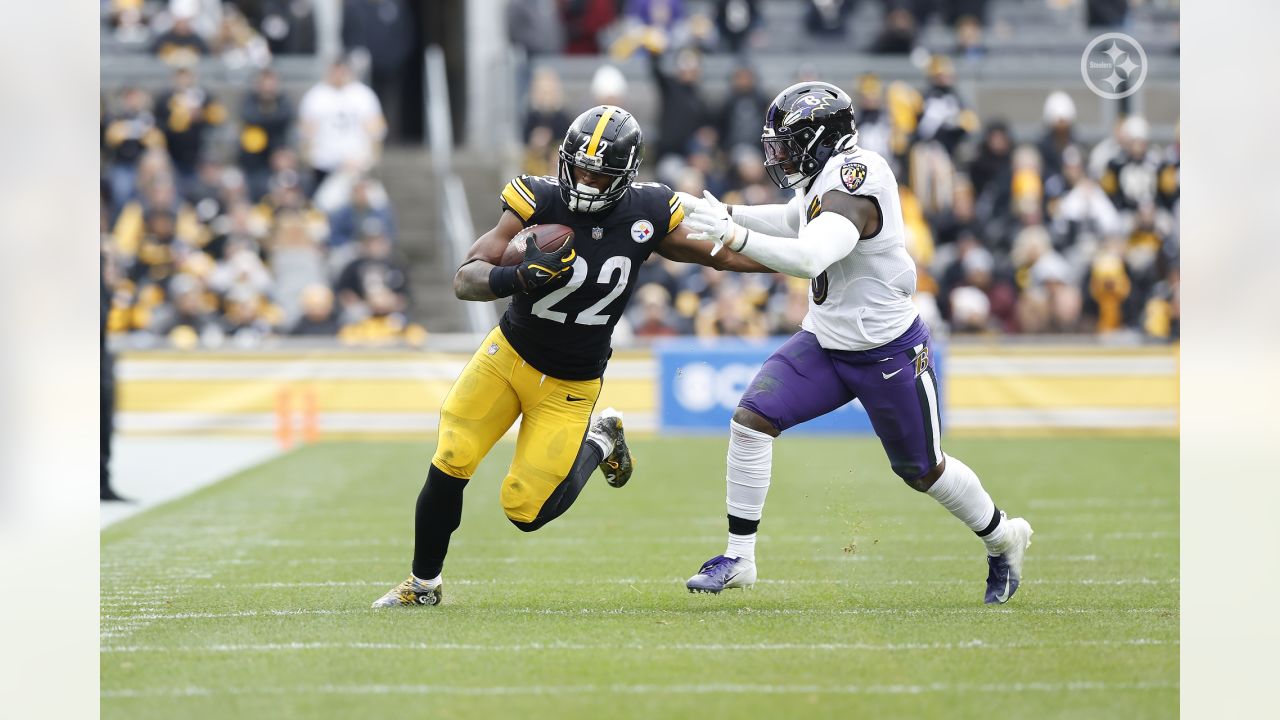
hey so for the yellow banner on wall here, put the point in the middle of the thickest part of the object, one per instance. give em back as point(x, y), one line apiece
point(985, 390)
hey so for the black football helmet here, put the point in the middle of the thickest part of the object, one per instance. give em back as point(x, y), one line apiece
point(607, 140)
point(802, 128)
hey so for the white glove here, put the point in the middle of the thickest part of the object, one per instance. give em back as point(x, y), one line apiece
point(692, 204)
point(710, 221)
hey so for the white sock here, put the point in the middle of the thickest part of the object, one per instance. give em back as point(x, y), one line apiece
point(741, 546)
point(604, 443)
point(750, 462)
point(433, 581)
point(961, 493)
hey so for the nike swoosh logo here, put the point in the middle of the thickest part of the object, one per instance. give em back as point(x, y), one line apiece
point(1004, 597)
point(886, 376)
point(571, 398)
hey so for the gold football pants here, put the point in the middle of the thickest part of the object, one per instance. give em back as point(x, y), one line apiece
point(495, 388)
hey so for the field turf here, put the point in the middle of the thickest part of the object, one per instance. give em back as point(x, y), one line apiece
point(250, 598)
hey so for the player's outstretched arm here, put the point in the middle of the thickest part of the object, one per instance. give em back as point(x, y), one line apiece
point(678, 246)
point(472, 280)
point(782, 219)
point(826, 239)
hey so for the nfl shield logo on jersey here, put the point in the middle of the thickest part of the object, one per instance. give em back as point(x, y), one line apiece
point(641, 230)
point(852, 174)
point(597, 233)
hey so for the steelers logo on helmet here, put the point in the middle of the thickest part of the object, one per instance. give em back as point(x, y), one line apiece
point(802, 128)
point(604, 141)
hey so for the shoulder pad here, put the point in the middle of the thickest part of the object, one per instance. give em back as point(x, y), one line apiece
point(676, 210)
point(657, 192)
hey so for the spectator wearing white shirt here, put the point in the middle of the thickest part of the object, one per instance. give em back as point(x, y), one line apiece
point(1083, 216)
point(342, 124)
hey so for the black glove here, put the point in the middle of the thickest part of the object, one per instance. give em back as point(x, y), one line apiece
point(538, 270)
point(542, 268)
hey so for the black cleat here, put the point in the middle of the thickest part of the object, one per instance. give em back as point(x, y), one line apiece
point(617, 467)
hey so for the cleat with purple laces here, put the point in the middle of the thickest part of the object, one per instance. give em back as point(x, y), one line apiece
point(723, 573)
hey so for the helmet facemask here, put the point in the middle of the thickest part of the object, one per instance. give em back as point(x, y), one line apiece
point(792, 158)
point(584, 198)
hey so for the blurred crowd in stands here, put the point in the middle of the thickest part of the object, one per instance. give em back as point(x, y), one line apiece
point(241, 33)
point(231, 219)
point(224, 226)
point(617, 27)
point(1038, 234)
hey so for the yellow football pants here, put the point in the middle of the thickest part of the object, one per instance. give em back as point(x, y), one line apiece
point(495, 388)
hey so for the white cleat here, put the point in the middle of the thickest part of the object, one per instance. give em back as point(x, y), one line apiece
point(1004, 571)
point(412, 592)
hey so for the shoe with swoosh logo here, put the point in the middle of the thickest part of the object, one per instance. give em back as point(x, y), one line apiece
point(1004, 571)
point(723, 573)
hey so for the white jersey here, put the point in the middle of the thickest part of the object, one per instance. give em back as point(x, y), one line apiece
point(341, 117)
point(863, 300)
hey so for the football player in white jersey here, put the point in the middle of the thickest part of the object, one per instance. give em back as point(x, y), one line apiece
point(862, 337)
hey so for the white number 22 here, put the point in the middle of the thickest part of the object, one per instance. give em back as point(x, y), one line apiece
point(620, 264)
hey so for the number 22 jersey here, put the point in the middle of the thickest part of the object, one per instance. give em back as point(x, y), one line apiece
point(564, 332)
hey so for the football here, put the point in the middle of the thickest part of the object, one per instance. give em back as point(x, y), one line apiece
point(548, 237)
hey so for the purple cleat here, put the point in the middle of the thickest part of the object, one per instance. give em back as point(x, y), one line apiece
point(722, 573)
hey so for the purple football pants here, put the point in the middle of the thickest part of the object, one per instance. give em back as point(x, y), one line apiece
point(895, 382)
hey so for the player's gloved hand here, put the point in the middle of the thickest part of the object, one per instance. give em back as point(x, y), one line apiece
point(692, 204)
point(541, 268)
point(713, 223)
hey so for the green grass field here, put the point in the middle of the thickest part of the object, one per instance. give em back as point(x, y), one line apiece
point(250, 599)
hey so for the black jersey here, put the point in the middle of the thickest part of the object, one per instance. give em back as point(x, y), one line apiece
point(565, 332)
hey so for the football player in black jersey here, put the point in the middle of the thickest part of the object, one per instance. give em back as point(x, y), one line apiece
point(545, 359)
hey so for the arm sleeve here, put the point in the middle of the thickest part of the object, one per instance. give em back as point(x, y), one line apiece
point(825, 240)
point(519, 198)
point(778, 220)
point(675, 212)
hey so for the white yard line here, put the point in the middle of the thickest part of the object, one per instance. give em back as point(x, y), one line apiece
point(553, 560)
point(109, 619)
point(148, 590)
point(228, 538)
point(644, 689)
point(153, 471)
point(691, 647)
